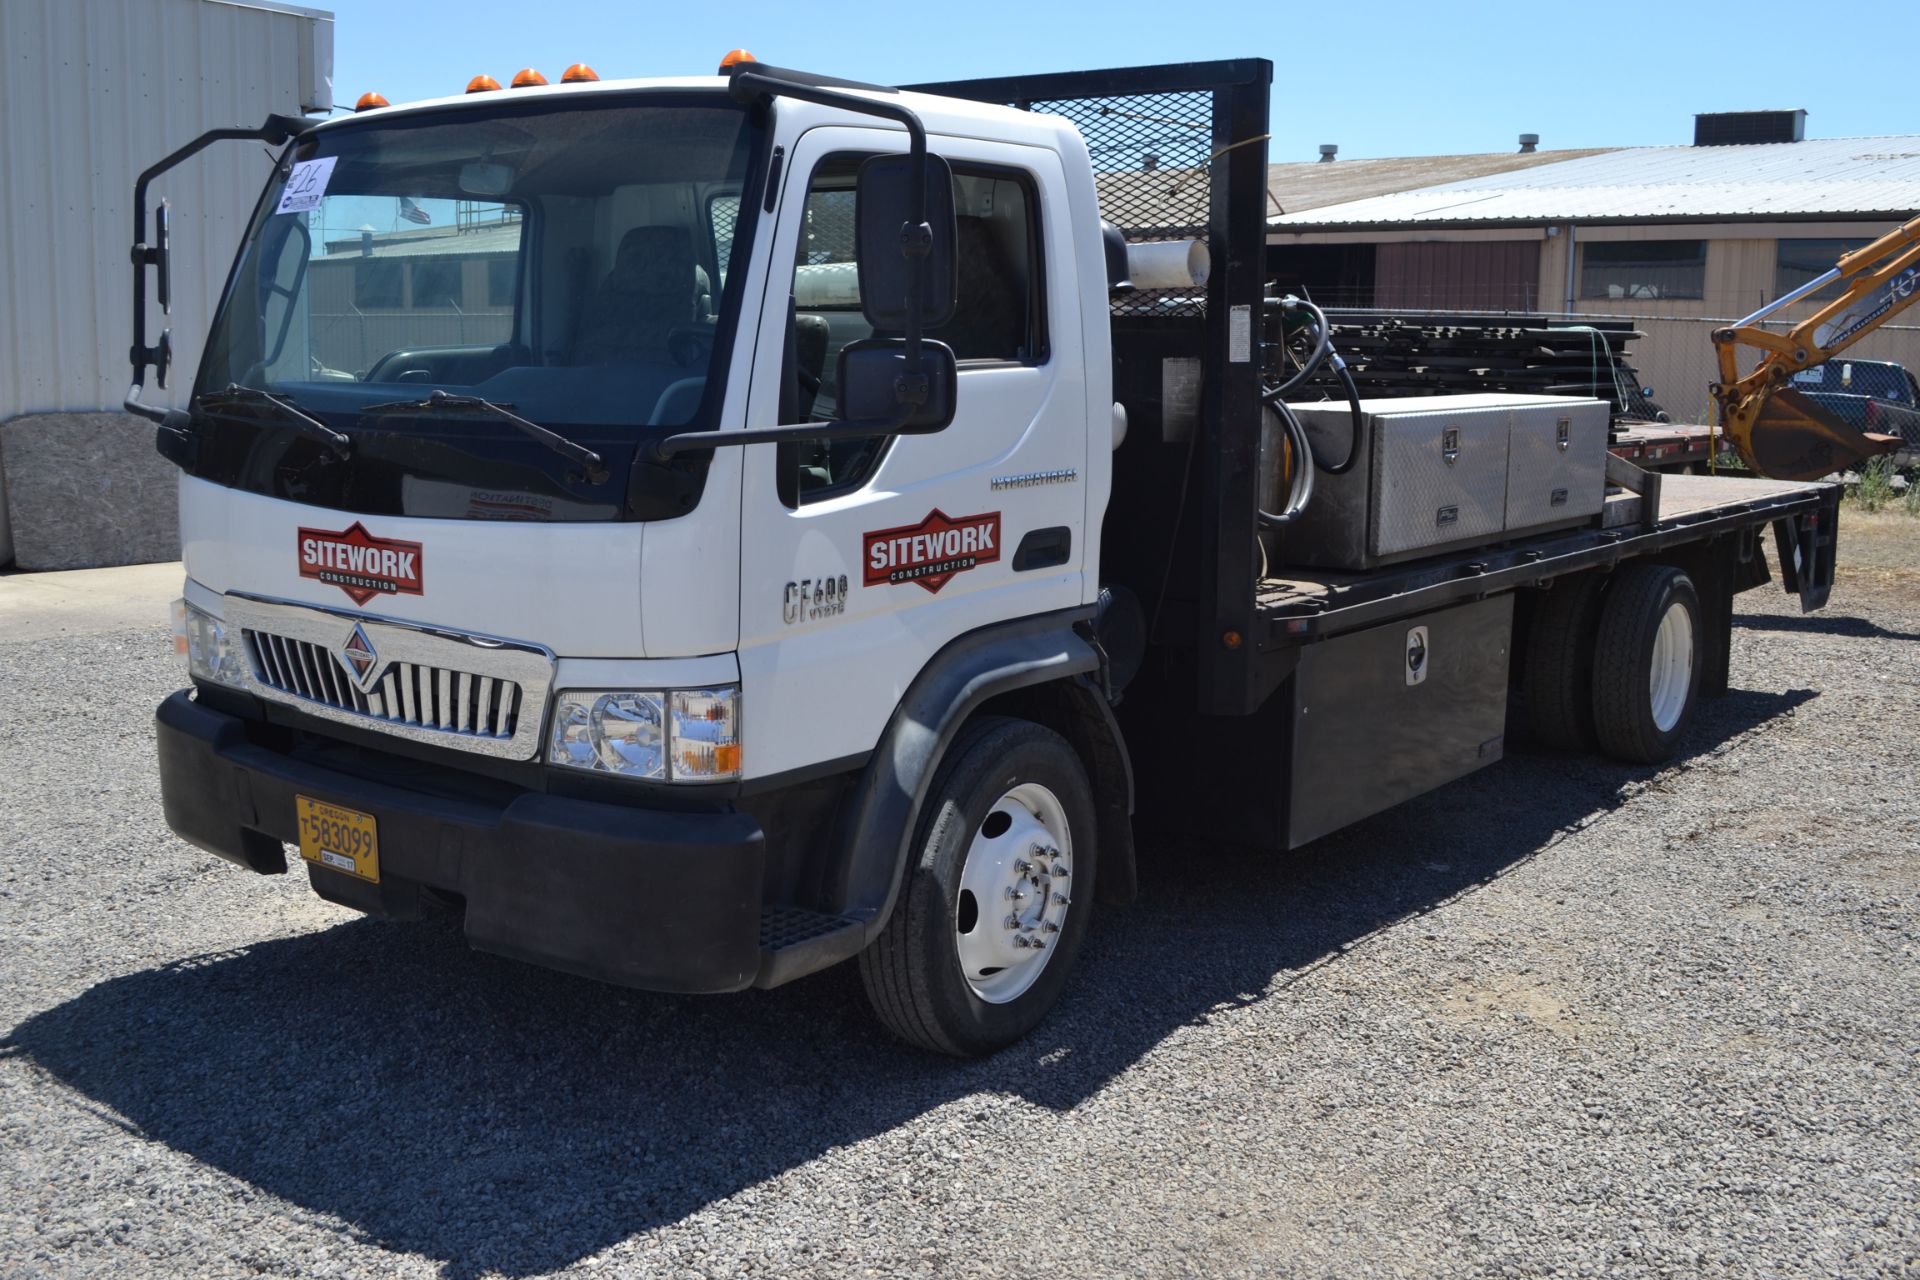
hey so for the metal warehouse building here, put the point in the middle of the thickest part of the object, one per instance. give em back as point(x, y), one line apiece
point(93, 93)
point(1677, 239)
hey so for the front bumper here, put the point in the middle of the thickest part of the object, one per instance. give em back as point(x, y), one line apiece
point(647, 898)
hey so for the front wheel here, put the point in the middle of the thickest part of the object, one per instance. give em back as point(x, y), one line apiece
point(983, 937)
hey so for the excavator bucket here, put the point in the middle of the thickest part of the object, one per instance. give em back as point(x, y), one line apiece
point(1795, 439)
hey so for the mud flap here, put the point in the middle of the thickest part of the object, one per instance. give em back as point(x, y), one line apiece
point(1796, 439)
point(1807, 549)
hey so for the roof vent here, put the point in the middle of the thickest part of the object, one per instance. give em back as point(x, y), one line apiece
point(1529, 143)
point(1735, 128)
point(1327, 152)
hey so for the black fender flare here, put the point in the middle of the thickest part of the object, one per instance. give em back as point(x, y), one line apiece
point(873, 839)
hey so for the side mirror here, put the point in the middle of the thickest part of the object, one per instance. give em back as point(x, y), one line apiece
point(876, 387)
point(883, 208)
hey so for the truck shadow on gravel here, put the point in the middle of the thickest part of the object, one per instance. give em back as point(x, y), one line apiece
point(496, 1117)
point(1822, 624)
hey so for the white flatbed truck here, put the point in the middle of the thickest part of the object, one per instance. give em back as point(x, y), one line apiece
point(704, 530)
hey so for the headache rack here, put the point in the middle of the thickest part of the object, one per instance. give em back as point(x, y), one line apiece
point(1180, 151)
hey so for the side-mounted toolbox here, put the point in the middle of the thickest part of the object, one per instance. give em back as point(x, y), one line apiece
point(1444, 473)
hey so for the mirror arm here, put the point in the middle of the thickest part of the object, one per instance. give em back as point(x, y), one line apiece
point(275, 130)
point(666, 447)
point(750, 81)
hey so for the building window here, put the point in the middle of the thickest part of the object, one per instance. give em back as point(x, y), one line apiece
point(1644, 269)
point(1798, 261)
point(377, 284)
point(436, 283)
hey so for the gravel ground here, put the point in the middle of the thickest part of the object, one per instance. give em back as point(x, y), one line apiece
point(1562, 1018)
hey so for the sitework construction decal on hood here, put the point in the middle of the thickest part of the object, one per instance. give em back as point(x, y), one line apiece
point(360, 564)
point(931, 552)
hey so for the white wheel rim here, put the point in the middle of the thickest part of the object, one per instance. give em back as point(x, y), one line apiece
point(1014, 893)
point(1670, 676)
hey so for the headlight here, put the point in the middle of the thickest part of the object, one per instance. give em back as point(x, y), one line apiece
point(688, 735)
point(213, 653)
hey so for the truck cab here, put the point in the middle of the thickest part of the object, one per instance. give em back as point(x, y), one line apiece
point(587, 678)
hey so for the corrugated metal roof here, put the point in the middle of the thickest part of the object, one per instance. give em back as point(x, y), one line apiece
point(1315, 185)
point(94, 93)
point(1821, 176)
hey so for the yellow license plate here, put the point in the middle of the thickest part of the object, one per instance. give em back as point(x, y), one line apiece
point(340, 838)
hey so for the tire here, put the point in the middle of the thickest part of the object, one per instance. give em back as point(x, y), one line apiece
point(1648, 656)
point(1004, 787)
point(1557, 681)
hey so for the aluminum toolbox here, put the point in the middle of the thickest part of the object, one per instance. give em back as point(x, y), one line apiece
point(1440, 473)
point(1557, 464)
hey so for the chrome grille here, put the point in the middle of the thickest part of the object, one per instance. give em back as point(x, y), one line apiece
point(406, 693)
point(428, 684)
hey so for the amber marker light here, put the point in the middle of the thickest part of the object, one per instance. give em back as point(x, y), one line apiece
point(527, 78)
point(368, 101)
point(733, 59)
point(578, 73)
point(482, 83)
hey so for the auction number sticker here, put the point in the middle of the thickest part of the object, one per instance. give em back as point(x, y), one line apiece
point(306, 185)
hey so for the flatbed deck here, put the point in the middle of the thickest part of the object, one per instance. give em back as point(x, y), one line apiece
point(1659, 445)
point(1296, 605)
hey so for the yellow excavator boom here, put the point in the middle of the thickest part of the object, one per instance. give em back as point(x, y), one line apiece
point(1777, 431)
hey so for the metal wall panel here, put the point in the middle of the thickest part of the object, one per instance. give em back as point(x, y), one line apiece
point(96, 90)
point(1475, 275)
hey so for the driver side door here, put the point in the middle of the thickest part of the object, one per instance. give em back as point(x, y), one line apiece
point(861, 559)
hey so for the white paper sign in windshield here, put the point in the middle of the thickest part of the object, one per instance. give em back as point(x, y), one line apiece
point(306, 185)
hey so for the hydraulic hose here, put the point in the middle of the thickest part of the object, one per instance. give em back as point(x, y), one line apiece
point(1300, 488)
point(1345, 375)
point(1322, 353)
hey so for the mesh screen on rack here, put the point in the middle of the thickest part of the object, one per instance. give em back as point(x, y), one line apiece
point(1150, 156)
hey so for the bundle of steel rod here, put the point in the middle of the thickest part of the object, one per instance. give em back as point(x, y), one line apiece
point(1433, 353)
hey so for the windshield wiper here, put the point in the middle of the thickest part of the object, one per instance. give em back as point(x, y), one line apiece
point(339, 441)
point(594, 466)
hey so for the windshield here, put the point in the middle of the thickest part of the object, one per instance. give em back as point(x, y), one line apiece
point(566, 259)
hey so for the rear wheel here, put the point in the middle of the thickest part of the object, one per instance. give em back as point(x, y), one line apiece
point(1646, 675)
point(984, 934)
point(1557, 679)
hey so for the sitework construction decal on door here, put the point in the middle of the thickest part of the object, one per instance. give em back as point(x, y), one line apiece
point(360, 564)
point(931, 552)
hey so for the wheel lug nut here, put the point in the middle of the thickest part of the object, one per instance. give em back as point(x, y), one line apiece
point(1049, 926)
point(1013, 922)
point(1016, 895)
point(1022, 942)
point(1060, 870)
point(1022, 865)
point(1060, 898)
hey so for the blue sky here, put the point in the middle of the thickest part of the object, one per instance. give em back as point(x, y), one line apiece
point(1377, 79)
